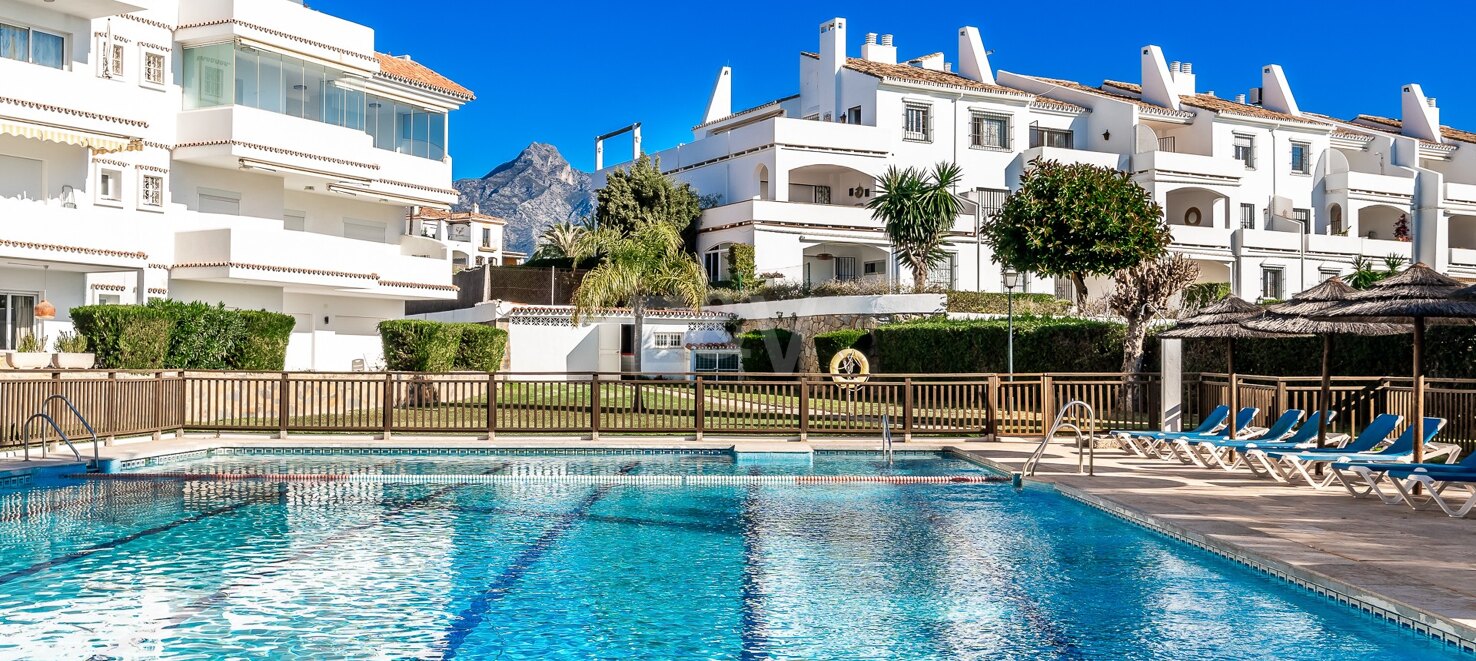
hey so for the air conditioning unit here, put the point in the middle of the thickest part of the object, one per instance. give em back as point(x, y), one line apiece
point(1255, 96)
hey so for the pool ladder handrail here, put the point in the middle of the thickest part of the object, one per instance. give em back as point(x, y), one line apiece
point(26, 430)
point(1089, 454)
point(887, 439)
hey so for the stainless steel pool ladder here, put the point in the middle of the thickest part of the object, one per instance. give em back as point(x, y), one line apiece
point(887, 439)
point(1089, 453)
point(26, 430)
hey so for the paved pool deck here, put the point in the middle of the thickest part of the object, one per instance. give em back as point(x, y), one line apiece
point(1414, 568)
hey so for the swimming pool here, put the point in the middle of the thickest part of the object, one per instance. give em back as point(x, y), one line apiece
point(350, 568)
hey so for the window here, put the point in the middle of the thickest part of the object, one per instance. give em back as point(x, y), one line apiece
point(1335, 220)
point(942, 274)
point(874, 268)
point(154, 68)
point(627, 339)
point(1245, 151)
point(1057, 138)
point(109, 299)
point(151, 191)
point(845, 269)
point(853, 116)
point(115, 63)
point(1166, 143)
point(712, 262)
point(716, 361)
point(486, 237)
point(1323, 275)
point(294, 221)
point(1271, 283)
point(1301, 158)
point(667, 340)
point(363, 230)
point(34, 46)
point(989, 132)
point(991, 201)
point(917, 122)
point(1248, 216)
point(1304, 216)
point(110, 185)
point(17, 318)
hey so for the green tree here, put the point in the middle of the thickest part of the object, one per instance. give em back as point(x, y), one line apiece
point(1366, 275)
point(637, 266)
point(918, 209)
point(560, 240)
point(1077, 220)
point(1140, 294)
point(641, 193)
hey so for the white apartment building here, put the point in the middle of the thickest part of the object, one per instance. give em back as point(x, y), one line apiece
point(471, 237)
point(251, 152)
point(1239, 179)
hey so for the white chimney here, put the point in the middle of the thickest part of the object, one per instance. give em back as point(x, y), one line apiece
point(1240, 98)
point(1158, 87)
point(832, 59)
point(1421, 119)
point(1276, 93)
point(973, 60)
point(1184, 79)
point(931, 62)
point(720, 103)
point(884, 53)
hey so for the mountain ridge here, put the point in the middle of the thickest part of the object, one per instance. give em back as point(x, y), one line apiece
point(536, 189)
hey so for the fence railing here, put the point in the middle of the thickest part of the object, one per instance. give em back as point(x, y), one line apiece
point(142, 403)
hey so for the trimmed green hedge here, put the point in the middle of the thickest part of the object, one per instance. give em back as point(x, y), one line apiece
point(829, 344)
point(1042, 344)
point(412, 345)
point(203, 336)
point(124, 336)
point(1448, 354)
point(755, 347)
point(263, 346)
point(742, 269)
point(481, 348)
point(996, 303)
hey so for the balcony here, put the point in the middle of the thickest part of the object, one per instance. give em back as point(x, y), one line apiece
point(78, 100)
point(89, 9)
point(1172, 167)
point(307, 261)
point(1363, 182)
point(801, 214)
point(281, 25)
point(851, 139)
point(1464, 194)
point(105, 238)
point(1073, 156)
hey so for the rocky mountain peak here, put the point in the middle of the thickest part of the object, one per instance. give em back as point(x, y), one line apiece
point(534, 190)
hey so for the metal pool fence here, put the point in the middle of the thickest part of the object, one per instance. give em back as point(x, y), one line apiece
point(120, 403)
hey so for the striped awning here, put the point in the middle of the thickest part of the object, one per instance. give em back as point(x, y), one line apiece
point(99, 143)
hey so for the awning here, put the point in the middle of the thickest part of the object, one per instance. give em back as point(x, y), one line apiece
point(99, 143)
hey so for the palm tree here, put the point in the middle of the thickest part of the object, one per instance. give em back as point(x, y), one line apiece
point(646, 263)
point(918, 208)
point(1365, 275)
point(560, 240)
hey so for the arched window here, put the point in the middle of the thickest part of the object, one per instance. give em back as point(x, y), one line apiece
point(1335, 220)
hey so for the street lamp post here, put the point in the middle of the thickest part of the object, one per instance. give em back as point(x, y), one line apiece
point(1011, 280)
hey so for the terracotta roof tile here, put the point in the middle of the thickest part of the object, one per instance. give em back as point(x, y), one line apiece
point(1143, 105)
point(664, 313)
point(912, 74)
point(1445, 131)
point(427, 213)
point(414, 73)
point(1219, 105)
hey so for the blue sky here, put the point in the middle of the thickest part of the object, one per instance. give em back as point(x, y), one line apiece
point(564, 72)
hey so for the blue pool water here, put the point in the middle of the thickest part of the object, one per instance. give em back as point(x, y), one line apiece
point(133, 569)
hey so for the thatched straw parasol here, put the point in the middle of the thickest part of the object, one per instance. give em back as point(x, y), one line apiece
point(1294, 318)
point(1223, 320)
point(1418, 294)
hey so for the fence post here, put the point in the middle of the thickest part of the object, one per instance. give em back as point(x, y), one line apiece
point(906, 409)
point(388, 402)
point(1047, 402)
point(491, 406)
point(594, 405)
point(701, 413)
point(181, 403)
point(804, 407)
point(284, 402)
point(110, 407)
point(158, 405)
point(992, 407)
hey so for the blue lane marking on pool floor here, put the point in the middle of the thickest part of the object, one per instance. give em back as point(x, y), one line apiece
point(754, 643)
point(472, 616)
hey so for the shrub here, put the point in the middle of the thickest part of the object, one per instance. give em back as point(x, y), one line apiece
point(125, 336)
point(411, 345)
point(481, 348)
point(203, 336)
point(263, 344)
point(829, 344)
point(71, 343)
point(757, 357)
point(1203, 294)
point(742, 269)
point(1042, 344)
point(996, 303)
point(30, 343)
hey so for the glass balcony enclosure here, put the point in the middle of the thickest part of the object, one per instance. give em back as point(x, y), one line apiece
point(237, 74)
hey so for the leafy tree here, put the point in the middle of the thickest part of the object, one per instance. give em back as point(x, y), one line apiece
point(1140, 294)
point(560, 240)
point(918, 208)
point(645, 263)
point(641, 193)
point(1366, 275)
point(1205, 294)
point(1077, 220)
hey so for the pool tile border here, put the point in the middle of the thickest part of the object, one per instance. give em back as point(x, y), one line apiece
point(1325, 587)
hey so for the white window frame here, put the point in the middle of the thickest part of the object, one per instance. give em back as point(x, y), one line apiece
point(666, 340)
point(114, 67)
point(109, 187)
point(146, 201)
point(1249, 157)
point(1247, 209)
point(31, 45)
point(911, 132)
point(1280, 272)
point(144, 78)
point(977, 121)
point(1325, 274)
point(1306, 165)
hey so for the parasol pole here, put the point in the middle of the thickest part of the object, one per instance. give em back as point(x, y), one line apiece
point(1325, 404)
point(1419, 389)
point(1234, 391)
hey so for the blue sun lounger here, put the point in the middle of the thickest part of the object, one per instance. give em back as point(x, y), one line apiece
point(1135, 441)
point(1290, 465)
point(1279, 436)
point(1436, 485)
point(1363, 479)
point(1161, 444)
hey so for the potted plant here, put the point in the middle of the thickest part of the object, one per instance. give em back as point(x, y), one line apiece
point(30, 353)
point(72, 352)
